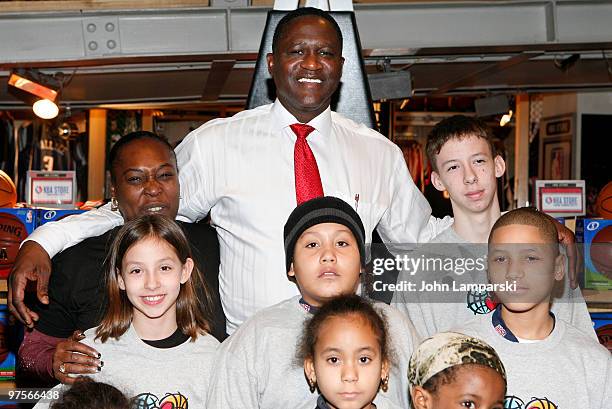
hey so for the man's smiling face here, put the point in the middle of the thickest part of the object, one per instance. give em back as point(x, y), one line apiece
point(306, 66)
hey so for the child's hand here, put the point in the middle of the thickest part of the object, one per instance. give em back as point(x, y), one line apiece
point(72, 359)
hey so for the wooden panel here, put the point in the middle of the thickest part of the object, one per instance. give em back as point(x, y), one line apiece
point(97, 154)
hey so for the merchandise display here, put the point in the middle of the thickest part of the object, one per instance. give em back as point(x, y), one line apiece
point(15, 226)
point(596, 235)
point(602, 322)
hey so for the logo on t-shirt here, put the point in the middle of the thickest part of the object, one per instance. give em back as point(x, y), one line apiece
point(148, 400)
point(480, 302)
point(513, 402)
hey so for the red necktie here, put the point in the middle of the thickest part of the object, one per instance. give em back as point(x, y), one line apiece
point(307, 178)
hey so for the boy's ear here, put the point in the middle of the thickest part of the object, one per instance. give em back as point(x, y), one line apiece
point(187, 269)
point(291, 273)
point(559, 272)
point(437, 182)
point(309, 370)
point(421, 399)
point(500, 166)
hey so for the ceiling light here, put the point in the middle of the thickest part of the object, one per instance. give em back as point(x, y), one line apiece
point(45, 109)
point(36, 89)
point(505, 118)
point(20, 81)
point(493, 105)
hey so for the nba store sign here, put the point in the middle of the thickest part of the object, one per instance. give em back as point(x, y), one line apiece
point(51, 188)
point(561, 198)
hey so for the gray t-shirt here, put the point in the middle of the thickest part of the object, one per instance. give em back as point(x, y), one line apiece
point(567, 370)
point(256, 366)
point(381, 402)
point(432, 313)
point(156, 376)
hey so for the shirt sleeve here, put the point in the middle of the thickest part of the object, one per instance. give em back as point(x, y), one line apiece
point(408, 218)
point(62, 234)
point(35, 356)
point(196, 166)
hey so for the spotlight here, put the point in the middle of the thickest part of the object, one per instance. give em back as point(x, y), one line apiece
point(38, 89)
point(498, 104)
point(390, 85)
point(505, 118)
point(45, 109)
point(67, 129)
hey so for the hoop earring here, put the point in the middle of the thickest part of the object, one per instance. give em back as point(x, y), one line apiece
point(312, 385)
point(384, 383)
point(114, 204)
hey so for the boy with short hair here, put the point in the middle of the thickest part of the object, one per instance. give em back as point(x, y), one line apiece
point(549, 362)
point(465, 164)
point(325, 254)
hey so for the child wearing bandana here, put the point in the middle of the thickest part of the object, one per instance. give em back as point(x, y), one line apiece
point(452, 370)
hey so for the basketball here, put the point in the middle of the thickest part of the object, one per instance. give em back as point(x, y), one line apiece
point(601, 251)
point(512, 402)
point(12, 233)
point(145, 401)
point(173, 401)
point(603, 204)
point(604, 335)
point(541, 403)
point(480, 302)
point(8, 192)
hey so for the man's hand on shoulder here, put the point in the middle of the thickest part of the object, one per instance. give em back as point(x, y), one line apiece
point(32, 264)
point(568, 240)
point(73, 358)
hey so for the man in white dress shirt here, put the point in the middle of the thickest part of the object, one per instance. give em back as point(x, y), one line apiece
point(241, 170)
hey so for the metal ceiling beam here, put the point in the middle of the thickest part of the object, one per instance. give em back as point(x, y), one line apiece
point(406, 28)
point(475, 76)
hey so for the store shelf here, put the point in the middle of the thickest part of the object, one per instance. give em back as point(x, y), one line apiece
point(598, 301)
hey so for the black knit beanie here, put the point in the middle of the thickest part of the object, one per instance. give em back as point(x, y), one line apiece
point(327, 209)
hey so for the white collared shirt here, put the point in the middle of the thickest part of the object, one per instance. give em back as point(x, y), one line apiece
point(241, 170)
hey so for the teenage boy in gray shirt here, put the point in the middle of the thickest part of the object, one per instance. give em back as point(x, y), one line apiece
point(465, 164)
point(549, 362)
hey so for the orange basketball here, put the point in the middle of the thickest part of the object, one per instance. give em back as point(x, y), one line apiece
point(8, 192)
point(603, 204)
point(12, 233)
point(601, 251)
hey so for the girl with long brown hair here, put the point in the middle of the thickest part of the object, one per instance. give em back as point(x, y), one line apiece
point(153, 340)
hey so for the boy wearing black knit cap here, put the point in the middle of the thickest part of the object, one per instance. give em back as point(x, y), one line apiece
point(325, 254)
